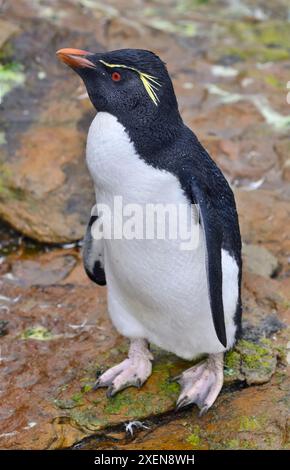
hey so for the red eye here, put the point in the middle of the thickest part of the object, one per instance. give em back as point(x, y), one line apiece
point(116, 76)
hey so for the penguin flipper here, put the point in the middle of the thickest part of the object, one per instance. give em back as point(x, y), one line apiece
point(213, 232)
point(93, 256)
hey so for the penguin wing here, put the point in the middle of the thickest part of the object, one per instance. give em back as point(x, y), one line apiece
point(93, 256)
point(213, 231)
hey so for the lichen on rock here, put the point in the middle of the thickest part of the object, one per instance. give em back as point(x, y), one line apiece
point(253, 362)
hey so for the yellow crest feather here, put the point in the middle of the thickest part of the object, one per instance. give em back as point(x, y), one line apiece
point(145, 78)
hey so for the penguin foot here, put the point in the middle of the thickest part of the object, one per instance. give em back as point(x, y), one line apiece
point(201, 383)
point(133, 371)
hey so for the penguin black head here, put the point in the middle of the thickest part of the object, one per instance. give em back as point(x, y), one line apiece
point(131, 84)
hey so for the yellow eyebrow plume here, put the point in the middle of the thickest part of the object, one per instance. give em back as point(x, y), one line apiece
point(149, 81)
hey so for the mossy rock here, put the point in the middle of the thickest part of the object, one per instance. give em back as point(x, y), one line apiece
point(89, 410)
point(259, 361)
point(253, 362)
point(194, 439)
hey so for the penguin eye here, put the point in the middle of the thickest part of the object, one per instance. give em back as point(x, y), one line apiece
point(116, 76)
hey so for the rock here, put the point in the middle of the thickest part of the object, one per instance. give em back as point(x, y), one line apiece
point(67, 327)
point(7, 30)
point(45, 271)
point(9, 239)
point(254, 418)
point(266, 328)
point(254, 362)
point(259, 260)
point(258, 361)
point(264, 219)
point(42, 157)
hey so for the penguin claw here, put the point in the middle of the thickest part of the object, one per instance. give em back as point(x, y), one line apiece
point(201, 384)
point(111, 392)
point(174, 379)
point(181, 403)
point(96, 386)
point(203, 411)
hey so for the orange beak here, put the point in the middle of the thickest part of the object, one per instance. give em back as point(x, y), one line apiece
point(75, 58)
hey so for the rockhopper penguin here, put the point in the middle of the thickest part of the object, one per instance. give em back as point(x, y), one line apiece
point(184, 301)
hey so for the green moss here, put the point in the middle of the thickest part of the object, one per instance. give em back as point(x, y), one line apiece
point(183, 6)
point(38, 333)
point(259, 54)
point(118, 402)
point(248, 444)
point(146, 404)
point(253, 362)
point(77, 398)
point(194, 438)
point(182, 28)
point(260, 350)
point(134, 406)
point(270, 33)
point(86, 388)
point(166, 386)
point(249, 423)
point(282, 353)
point(11, 75)
point(169, 388)
point(232, 444)
point(232, 363)
point(256, 355)
point(273, 33)
point(263, 42)
point(163, 366)
point(273, 81)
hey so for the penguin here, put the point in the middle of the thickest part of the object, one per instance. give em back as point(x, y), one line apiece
point(187, 302)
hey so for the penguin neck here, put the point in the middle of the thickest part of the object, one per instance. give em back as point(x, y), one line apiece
point(151, 133)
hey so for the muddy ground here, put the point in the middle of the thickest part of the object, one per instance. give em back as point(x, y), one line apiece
point(230, 65)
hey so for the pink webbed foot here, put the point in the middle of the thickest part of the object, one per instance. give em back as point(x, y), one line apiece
point(202, 383)
point(133, 371)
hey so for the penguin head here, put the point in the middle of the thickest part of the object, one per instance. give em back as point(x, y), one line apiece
point(131, 84)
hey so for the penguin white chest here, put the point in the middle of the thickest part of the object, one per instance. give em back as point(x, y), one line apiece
point(156, 290)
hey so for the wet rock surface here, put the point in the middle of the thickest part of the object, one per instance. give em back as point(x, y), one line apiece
point(227, 59)
point(260, 261)
point(56, 337)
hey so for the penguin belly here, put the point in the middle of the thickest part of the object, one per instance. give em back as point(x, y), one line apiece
point(155, 290)
point(161, 294)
